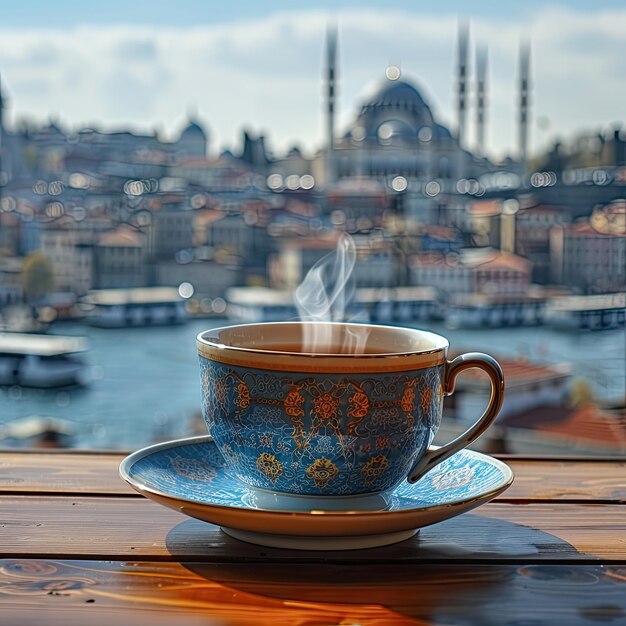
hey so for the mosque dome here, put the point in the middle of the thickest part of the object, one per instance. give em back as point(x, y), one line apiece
point(193, 129)
point(193, 140)
point(393, 111)
point(395, 94)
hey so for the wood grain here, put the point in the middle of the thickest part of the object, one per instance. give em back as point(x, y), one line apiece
point(119, 528)
point(86, 473)
point(69, 592)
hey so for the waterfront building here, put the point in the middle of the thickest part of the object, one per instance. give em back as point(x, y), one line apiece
point(171, 228)
point(11, 292)
point(120, 259)
point(532, 236)
point(209, 279)
point(474, 271)
point(375, 265)
point(590, 254)
point(58, 240)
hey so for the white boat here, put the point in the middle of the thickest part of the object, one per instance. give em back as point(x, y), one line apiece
point(399, 305)
point(594, 312)
point(42, 360)
point(259, 304)
point(379, 306)
point(38, 431)
point(142, 306)
point(494, 311)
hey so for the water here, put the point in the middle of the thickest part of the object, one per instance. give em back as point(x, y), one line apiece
point(147, 383)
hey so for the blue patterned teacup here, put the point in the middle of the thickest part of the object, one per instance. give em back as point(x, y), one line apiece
point(353, 416)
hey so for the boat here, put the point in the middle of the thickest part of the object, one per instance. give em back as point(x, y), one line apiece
point(479, 310)
point(19, 318)
point(593, 312)
point(399, 305)
point(45, 361)
point(376, 305)
point(38, 431)
point(259, 304)
point(141, 306)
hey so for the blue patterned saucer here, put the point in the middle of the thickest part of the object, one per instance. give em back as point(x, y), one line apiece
point(189, 475)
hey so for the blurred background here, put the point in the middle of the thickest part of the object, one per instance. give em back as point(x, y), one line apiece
point(165, 169)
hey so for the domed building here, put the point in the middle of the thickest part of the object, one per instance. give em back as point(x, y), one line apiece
point(193, 140)
point(396, 134)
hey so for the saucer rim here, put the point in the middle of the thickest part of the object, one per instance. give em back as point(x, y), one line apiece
point(127, 463)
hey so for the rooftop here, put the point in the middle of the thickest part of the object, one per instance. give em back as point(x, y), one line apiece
point(586, 423)
point(122, 237)
point(518, 372)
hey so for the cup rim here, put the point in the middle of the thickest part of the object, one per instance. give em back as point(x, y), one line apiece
point(441, 343)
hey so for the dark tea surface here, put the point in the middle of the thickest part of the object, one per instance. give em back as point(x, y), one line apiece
point(297, 347)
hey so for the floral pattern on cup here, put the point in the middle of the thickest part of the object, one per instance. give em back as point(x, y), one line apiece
point(320, 434)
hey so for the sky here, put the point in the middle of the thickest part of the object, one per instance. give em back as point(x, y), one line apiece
point(259, 65)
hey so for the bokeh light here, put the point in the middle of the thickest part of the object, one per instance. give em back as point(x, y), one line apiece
point(185, 290)
point(399, 183)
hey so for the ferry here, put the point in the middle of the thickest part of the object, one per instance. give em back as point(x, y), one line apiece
point(594, 312)
point(380, 306)
point(39, 432)
point(399, 305)
point(246, 305)
point(142, 306)
point(44, 361)
point(19, 318)
point(494, 311)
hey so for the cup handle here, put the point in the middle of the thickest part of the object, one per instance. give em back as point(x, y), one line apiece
point(453, 369)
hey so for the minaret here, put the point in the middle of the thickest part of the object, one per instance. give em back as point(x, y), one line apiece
point(524, 104)
point(481, 104)
point(331, 77)
point(462, 81)
point(2, 104)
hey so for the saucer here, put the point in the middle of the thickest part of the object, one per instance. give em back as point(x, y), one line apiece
point(190, 476)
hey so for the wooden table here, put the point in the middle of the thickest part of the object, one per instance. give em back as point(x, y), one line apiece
point(77, 546)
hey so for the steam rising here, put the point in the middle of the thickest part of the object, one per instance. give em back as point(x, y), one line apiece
point(323, 296)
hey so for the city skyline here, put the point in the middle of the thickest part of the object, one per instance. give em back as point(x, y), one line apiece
point(265, 71)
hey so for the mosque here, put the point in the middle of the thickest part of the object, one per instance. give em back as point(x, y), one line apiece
point(396, 137)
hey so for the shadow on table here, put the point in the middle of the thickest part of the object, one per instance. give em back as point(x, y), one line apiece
point(468, 570)
point(467, 537)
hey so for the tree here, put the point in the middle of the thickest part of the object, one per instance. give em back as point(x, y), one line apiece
point(37, 277)
point(581, 393)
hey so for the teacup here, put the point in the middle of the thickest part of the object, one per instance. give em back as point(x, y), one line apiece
point(326, 421)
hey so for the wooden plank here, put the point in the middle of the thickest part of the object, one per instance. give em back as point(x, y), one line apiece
point(557, 480)
point(62, 473)
point(69, 592)
point(74, 473)
point(120, 528)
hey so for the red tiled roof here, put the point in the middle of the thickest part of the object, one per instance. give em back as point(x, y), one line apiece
point(328, 242)
point(543, 209)
point(585, 228)
point(585, 423)
point(517, 371)
point(494, 260)
point(505, 260)
point(204, 217)
point(485, 208)
point(121, 237)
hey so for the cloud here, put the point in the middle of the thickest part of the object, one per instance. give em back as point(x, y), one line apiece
point(267, 73)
